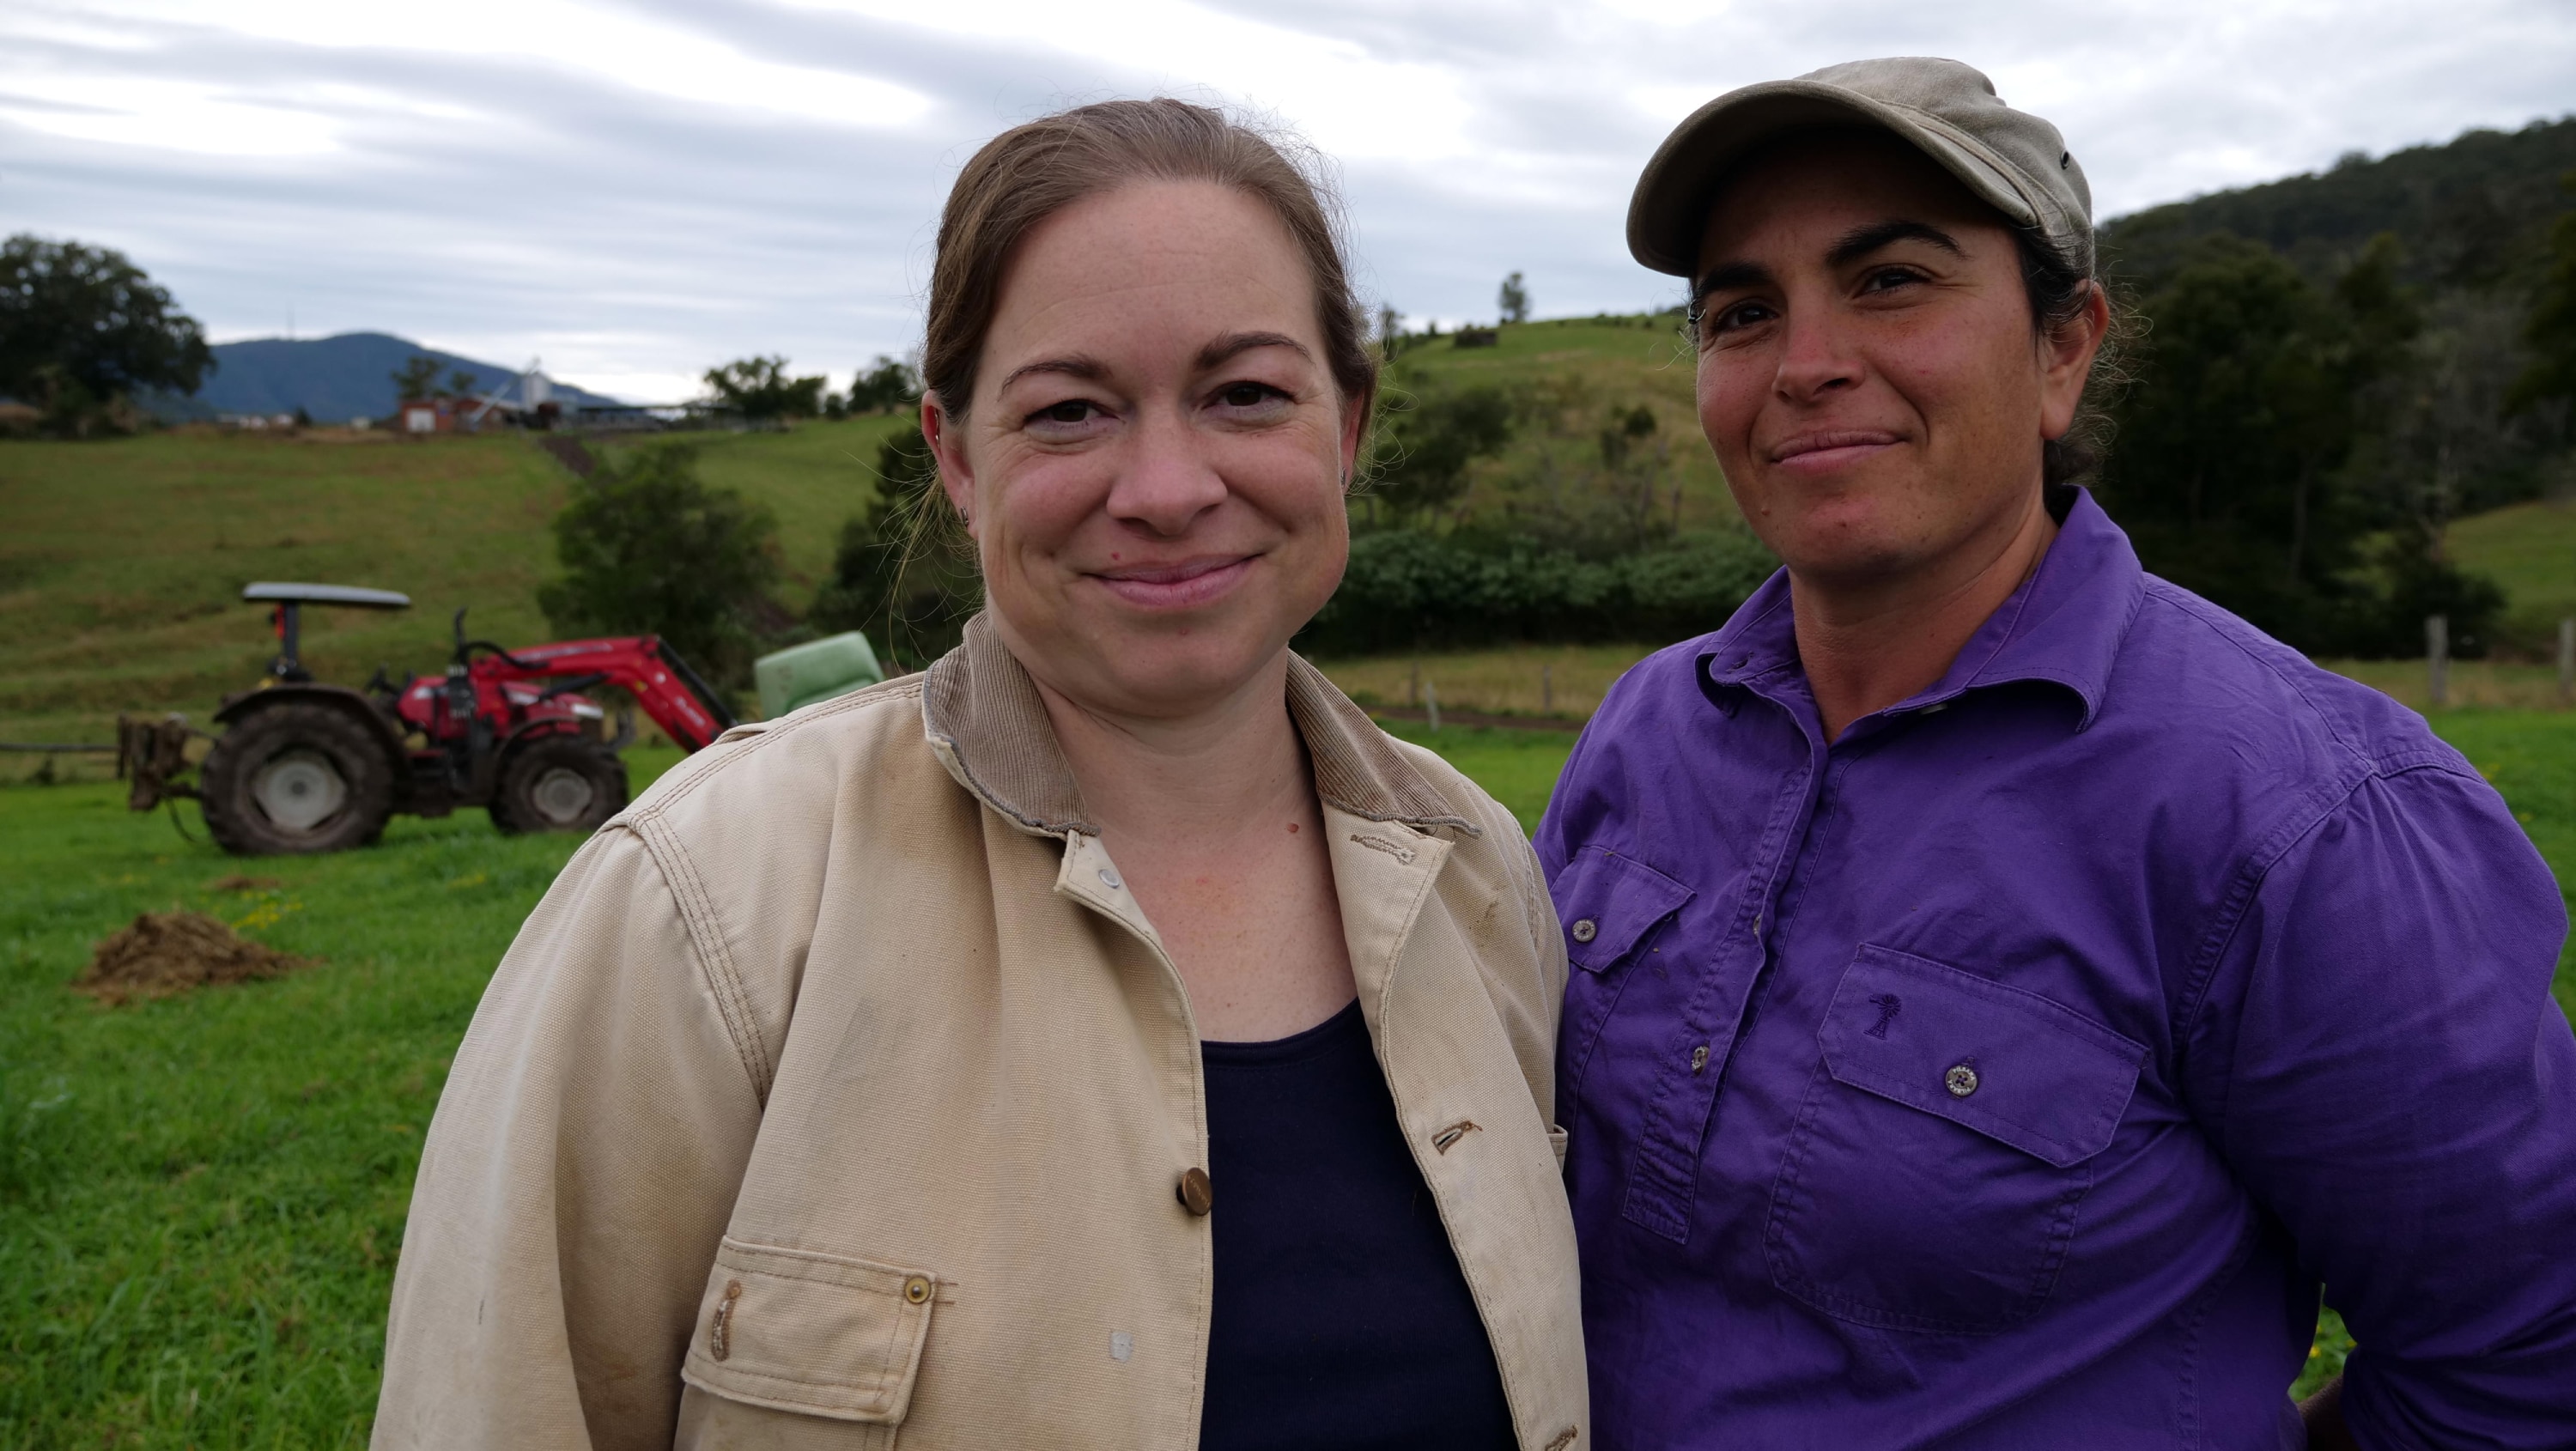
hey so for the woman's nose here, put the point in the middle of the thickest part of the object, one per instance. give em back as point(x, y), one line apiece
point(1816, 355)
point(1166, 480)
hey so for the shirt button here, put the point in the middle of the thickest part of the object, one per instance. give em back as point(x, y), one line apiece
point(1699, 1058)
point(1961, 1081)
point(917, 1290)
point(1194, 1191)
point(1585, 929)
point(1109, 878)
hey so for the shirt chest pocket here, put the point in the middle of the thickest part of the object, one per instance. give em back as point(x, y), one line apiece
point(823, 1335)
point(1944, 1149)
point(1609, 905)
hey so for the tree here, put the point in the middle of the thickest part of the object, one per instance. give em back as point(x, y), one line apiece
point(885, 386)
point(82, 329)
point(2239, 470)
point(1426, 440)
point(905, 571)
point(647, 547)
point(759, 389)
point(1390, 332)
point(419, 379)
point(2551, 332)
point(1514, 299)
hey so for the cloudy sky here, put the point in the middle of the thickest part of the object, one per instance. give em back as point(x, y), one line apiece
point(636, 189)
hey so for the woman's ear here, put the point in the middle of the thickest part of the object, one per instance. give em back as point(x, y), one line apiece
point(1354, 428)
point(948, 449)
point(2066, 353)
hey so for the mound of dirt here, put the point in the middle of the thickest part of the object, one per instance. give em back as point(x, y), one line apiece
point(163, 953)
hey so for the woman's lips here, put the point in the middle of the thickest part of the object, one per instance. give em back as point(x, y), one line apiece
point(1178, 585)
point(1830, 449)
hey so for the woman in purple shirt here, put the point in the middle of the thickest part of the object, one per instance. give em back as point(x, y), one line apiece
point(2007, 986)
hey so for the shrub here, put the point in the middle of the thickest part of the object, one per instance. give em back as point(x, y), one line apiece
point(647, 547)
point(905, 573)
point(1407, 589)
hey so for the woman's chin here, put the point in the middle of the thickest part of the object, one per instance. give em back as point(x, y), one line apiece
point(1177, 669)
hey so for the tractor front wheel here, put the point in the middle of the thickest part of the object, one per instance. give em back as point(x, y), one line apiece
point(296, 778)
point(559, 783)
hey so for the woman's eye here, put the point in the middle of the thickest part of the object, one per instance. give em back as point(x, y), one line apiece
point(1248, 395)
point(1073, 410)
point(1735, 317)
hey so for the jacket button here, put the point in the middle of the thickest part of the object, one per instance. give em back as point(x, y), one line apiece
point(1961, 1081)
point(1195, 1193)
point(1585, 929)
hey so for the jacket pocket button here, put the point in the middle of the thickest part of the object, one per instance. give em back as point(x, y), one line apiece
point(916, 1290)
point(1961, 1081)
point(1194, 1191)
point(1585, 929)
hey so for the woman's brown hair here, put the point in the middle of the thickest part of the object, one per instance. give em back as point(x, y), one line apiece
point(1032, 171)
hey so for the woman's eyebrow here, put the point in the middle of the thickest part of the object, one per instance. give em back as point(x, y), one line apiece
point(1078, 365)
point(1216, 354)
point(1859, 242)
point(1729, 278)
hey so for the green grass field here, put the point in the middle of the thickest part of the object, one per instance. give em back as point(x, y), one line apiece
point(122, 565)
point(201, 1198)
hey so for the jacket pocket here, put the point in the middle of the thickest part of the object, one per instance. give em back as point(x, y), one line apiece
point(1944, 1147)
point(826, 1335)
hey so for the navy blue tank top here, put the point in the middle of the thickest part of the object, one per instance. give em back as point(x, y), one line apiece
point(1342, 1319)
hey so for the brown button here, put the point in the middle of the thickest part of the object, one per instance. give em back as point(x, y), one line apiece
point(1195, 1193)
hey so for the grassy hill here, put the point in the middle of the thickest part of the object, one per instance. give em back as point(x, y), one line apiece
point(1572, 375)
point(122, 565)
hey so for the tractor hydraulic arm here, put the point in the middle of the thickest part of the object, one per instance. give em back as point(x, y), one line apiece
point(684, 706)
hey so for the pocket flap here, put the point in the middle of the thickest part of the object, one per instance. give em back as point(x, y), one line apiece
point(823, 1334)
point(2012, 1065)
point(1608, 902)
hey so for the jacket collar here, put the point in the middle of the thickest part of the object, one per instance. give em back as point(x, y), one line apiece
point(2063, 626)
point(982, 715)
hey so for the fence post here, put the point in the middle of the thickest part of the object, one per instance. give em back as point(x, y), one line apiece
point(1431, 698)
point(2437, 657)
point(1547, 680)
point(2567, 661)
point(1413, 684)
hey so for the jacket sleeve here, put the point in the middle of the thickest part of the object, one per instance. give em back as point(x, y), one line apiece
point(576, 1179)
point(2391, 1078)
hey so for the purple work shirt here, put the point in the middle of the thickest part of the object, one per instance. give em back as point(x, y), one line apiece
point(2011, 1071)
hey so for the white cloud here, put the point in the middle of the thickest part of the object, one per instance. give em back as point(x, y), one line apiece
point(636, 189)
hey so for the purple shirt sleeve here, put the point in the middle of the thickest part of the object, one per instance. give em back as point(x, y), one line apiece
point(2378, 1058)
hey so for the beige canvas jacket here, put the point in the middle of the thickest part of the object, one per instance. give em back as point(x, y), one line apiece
point(837, 1095)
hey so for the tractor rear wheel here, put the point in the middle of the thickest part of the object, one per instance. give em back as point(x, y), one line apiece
point(559, 783)
point(296, 778)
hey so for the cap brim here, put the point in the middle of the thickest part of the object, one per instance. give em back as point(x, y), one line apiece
point(1669, 210)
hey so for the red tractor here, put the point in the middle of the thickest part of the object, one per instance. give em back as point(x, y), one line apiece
point(307, 767)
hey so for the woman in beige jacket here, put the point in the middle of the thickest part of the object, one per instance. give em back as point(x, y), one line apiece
point(1108, 1038)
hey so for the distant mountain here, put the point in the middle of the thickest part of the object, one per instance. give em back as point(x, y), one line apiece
point(2472, 212)
point(336, 379)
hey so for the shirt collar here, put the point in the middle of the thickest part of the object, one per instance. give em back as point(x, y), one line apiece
point(984, 719)
point(2063, 625)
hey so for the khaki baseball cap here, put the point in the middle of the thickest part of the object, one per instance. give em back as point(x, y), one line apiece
point(2013, 160)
